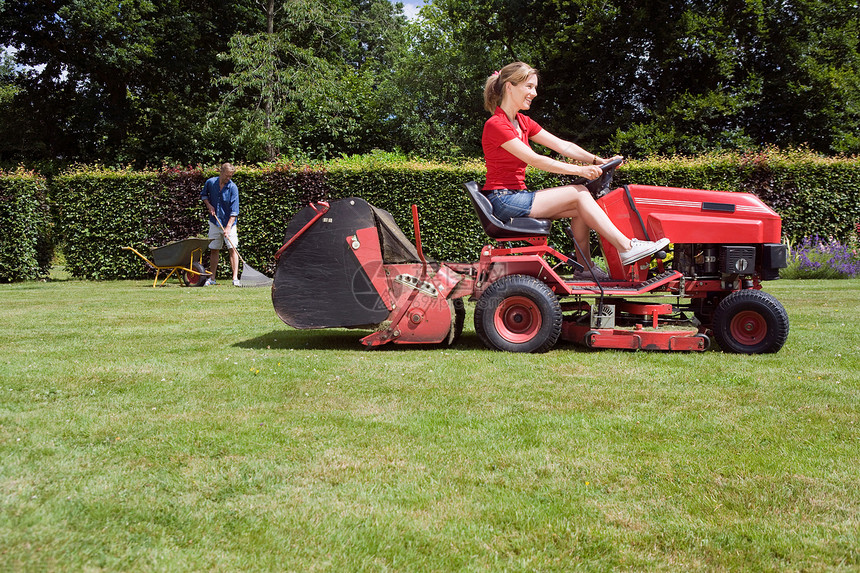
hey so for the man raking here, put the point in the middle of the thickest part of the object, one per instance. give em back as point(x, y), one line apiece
point(221, 197)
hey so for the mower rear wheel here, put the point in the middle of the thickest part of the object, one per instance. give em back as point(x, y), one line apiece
point(518, 313)
point(197, 277)
point(750, 322)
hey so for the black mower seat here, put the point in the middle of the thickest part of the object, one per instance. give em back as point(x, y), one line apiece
point(498, 229)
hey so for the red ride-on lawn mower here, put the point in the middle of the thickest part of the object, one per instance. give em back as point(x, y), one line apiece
point(347, 264)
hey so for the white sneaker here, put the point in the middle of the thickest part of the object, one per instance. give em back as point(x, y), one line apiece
point(641, 249)
point(236, 282)
point(585, 274)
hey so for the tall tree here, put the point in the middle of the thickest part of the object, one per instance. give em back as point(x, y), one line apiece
point(113, 81)
point(306, 85)
point(434, 96)
point(750, 72)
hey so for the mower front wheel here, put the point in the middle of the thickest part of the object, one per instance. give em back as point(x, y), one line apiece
point(518, 313)
point(750, 322)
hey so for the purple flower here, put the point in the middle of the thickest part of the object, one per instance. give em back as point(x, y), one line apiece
point(819, 258)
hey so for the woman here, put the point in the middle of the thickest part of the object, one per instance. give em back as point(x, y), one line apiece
point(507, 153)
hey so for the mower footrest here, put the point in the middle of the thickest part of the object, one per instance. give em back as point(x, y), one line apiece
point(625, 289)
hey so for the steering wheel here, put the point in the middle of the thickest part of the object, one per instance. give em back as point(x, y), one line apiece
point(600, 186)
point(611, 165)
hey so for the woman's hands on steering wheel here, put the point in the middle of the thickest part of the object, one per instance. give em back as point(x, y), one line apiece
point(600, 185)
point(601, 166)
point(609, 164)
point(590, 172)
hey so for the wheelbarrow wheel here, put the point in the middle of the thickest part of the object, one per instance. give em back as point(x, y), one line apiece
point(518, 313)
point(195, 277)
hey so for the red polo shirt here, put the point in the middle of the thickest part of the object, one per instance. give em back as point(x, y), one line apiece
point(505, 171)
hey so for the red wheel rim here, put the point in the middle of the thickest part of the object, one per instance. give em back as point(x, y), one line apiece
point(517, 319)
point(192, 278)
point(748, 327)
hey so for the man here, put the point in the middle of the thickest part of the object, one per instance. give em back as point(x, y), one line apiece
point(221, 197)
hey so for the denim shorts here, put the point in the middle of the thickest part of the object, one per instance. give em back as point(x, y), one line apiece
point(510, 203)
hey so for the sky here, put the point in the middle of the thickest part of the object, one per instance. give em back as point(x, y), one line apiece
point(410, 9)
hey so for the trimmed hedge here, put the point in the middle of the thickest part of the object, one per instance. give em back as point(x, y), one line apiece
point(98, 211)
point(25, 231)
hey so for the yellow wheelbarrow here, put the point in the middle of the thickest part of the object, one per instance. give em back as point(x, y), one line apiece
point(185, 257)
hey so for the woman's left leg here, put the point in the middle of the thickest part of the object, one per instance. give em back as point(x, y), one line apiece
point(576, 202)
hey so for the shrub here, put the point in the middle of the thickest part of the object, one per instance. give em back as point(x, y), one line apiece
point(98, 212)
point(26, 243)
point(814, 195)
point(815, 258)
point(101, 210)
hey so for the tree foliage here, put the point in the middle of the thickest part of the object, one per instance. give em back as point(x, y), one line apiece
point(113, 81)
point(154, 81)
point(307, 81)
point(658, 76)
point(7, 74)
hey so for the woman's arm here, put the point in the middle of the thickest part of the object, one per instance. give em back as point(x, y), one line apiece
point(565, 148)
point(569, 149)
point(525, 153)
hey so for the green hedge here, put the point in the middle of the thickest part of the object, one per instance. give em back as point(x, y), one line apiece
point(814, 197)
point(25, 230)
point(98, 211)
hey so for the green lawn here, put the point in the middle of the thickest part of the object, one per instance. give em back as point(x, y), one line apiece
point(188, 429)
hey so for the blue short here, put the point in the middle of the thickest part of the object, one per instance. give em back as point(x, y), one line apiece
point(510, 203)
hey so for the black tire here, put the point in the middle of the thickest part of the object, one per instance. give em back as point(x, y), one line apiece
point(518, 313)
point(197, 277)
point(458, 312)
point(706, 341)
point(750, 322)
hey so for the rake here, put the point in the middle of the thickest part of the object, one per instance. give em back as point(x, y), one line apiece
point(250, 277)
